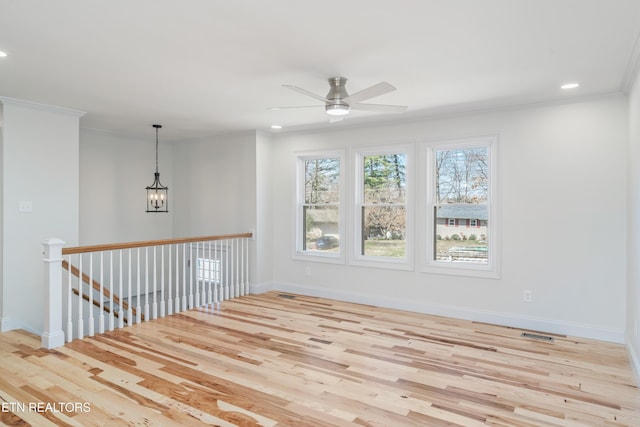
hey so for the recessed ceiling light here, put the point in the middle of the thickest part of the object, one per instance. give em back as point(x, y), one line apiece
point(2, 54)
point(569, 86)
point(276, 127)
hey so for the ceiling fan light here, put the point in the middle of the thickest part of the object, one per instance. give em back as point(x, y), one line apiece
point(337, 109)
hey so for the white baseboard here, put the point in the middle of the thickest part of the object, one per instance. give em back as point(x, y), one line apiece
point(7, 324)
point(259, 288)
point(466, 313)
point(634, 358)
point(53, 340)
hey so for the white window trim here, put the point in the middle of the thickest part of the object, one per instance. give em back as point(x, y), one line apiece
point(299, 253)
point(429, 265)
point(357, 155)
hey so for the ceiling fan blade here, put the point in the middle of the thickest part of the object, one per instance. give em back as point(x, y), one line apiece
point(380, 107)
point(370, 92)
point(294, 106)
point(306, 92)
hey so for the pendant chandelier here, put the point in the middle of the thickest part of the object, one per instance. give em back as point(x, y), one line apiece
point(157, 193)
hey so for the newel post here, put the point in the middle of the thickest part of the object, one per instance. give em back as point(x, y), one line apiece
point(53, 336)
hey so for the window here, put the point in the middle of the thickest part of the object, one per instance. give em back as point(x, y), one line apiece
point(208, 270)
point(461, 192)
point(319, 224)
point(382, 206)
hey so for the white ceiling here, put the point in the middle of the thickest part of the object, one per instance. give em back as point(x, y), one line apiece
point(206, 67)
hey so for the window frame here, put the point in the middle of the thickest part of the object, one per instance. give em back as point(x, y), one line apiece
point(357, 160)
point(298, 234)
point(492, 268)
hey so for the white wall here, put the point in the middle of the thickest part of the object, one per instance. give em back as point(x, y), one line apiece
point(264, 210)
point(40, 165)
point(215, 185)
point(114, 171)
point(562, 171)
point(633, 242)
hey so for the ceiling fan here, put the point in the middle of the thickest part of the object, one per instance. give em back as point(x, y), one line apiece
point(338, 102)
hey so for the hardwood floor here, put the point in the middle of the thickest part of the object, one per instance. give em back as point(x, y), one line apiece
point(288, 360)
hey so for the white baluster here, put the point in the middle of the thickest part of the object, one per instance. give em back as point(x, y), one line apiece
point(146, 283)
point(162, 281)
point(234, 249)
point(241, 267)
point(101, 315)
point(194, 272)
point(177, 301)
point(120, 295)
point(184, 276)
point(90, 292)
point(190, 275)
point(155, 283)
point(211, 276)
point(225, 288)
point(111, 292)
point(246, 266)
point(129, 286)
point(80, 320)
point(69, 303)
point(169, 298)
point(216, 275)
point(138, 297)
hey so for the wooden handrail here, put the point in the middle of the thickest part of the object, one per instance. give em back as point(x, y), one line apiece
point(86, 279)
point(97, 304)
point(142, 244)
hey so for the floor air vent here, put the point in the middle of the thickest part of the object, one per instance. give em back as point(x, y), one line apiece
point(286, 296)
point(537, 336)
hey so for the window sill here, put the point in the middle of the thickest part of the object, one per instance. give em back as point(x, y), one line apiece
point(319, 257)
point(385, 263)
point(457, 269)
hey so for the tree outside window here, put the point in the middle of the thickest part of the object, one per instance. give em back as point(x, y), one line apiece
point(320, 208)
point(383, 209)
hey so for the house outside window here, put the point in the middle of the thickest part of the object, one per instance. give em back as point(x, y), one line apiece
point(319, 213)
point(461, 205)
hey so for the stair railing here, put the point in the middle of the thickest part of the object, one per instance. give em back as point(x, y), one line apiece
point(104, 287)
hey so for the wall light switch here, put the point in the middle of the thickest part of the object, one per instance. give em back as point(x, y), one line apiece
point(25, 206)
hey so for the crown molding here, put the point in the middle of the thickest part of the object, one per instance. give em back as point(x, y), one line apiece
point(34, 105)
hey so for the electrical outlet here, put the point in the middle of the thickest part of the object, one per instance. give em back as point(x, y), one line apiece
point(307, 271)
point(25, 206)
point(527, 296)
